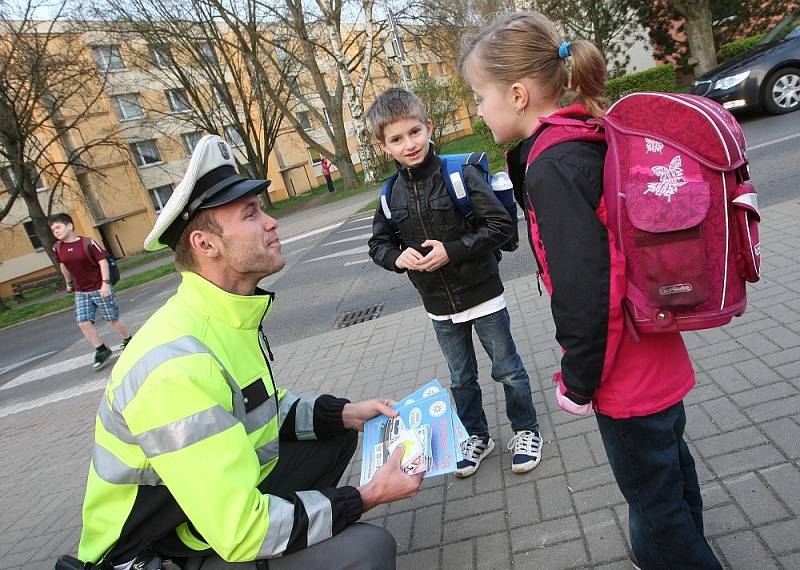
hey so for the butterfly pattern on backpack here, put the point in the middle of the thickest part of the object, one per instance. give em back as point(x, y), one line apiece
point(670, 179)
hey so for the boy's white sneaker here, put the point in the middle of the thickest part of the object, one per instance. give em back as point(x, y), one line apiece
point(475, 449)
point(526, 449)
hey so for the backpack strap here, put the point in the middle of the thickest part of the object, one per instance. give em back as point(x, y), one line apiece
point(385, 201)
point(453, 174)
point(572, 123)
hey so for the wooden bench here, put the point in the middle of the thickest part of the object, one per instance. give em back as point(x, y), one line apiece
point(22, 287)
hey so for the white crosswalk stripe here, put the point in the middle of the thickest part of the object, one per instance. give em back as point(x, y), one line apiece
point(26, 404)
point(355, 251)
point(361, 237)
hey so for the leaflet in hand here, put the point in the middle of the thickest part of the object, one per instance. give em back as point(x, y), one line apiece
point(427, 426)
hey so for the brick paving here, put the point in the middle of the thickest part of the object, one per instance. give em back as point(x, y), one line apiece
point(743, 429)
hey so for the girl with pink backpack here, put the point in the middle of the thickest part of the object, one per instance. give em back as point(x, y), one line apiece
point(635, 382)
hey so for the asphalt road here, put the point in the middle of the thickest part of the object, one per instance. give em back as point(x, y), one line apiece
point(329, 273)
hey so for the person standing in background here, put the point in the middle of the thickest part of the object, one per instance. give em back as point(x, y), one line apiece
point(326, 172)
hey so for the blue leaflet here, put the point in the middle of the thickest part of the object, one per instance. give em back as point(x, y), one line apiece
point(430, 412)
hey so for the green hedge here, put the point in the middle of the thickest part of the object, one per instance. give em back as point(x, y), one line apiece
point(659, 78)
point(496, 151)
point(727, 51)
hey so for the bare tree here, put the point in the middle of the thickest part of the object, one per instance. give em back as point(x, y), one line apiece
point(49, 87)
point(205, 70)
point(324, 56)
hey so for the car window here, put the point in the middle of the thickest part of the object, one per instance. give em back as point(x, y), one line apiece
point(787, 28)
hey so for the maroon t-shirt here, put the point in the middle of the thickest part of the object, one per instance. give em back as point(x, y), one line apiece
point(85, 270)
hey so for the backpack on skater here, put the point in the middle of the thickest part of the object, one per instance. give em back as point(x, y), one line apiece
point(677, 204)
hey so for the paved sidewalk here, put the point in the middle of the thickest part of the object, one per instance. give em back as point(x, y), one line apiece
point(744, 430)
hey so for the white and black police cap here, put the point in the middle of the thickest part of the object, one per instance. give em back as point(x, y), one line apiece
point(211, 180)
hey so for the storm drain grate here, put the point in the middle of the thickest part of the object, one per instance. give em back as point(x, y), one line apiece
point(357, 316)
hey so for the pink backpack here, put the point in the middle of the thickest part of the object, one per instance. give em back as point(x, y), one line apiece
point(677, 204)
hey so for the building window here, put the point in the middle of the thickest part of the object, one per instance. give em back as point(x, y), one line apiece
point(162, 56)
point(441, 68)
point(109, 58)
point(145, 153)
point(190, 141)
point(217, 94)
point(32, 236)
point(207, 52)
point(178, 103)
point(417, 44)
point(314, 156)
point(407, 72)
point(304, 120)
point(10, 179)
point(128, 106)
point(160, 195)
point(424, 71)
point(233, 136)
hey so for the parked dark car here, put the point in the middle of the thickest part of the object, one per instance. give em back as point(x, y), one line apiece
point(766, 76)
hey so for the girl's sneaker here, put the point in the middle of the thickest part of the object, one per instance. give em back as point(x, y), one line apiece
point(527, 451)
point(475, 449)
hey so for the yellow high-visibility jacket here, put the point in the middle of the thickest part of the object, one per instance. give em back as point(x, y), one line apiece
point(187, 429)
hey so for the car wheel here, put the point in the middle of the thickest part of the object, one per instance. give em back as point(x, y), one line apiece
point(782, 92)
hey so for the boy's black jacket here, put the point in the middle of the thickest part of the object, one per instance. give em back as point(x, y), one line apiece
point(423, 209)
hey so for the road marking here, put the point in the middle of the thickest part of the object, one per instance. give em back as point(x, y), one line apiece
point(311, 233)
point(80, 390)
point(359, 228)
point(776, 141)
point(11, 367)
point(356, 262)
point(50, 370)
point(362, 237)
point(354, 251)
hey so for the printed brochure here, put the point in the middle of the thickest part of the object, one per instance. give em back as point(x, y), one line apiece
point(428, 428)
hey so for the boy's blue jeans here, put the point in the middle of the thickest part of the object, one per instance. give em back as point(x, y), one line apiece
point(655, 472)
point(494, 332)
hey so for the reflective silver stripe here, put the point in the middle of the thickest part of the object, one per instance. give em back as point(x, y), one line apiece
point(281, 521)
point(186, 431)
point(286, 404)
point(304, 418)
point(268, 451)
point(320, 516)
point(135, 377)
point(184, 346)
point(112, 470)
point(261, 416)
point(114, 423)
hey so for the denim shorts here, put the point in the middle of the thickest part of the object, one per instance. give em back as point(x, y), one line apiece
point(87, 303)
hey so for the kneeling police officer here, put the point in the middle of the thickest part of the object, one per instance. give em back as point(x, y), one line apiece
point(200, 459)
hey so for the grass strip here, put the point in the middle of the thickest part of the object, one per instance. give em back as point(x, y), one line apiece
point(33, 310)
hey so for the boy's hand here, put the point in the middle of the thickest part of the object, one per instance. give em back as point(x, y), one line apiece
point(436, 258)
point(410, 258)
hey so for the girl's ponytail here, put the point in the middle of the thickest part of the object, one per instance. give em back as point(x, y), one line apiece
point(588, 76)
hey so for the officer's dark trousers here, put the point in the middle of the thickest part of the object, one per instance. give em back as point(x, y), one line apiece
point(307, 465)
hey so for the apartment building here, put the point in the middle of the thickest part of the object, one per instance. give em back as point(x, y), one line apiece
point(117, 190)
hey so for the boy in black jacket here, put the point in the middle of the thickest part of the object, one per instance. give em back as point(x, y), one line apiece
point(452, 264)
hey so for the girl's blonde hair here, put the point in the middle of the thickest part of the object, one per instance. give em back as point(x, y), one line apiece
point(526, 45)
